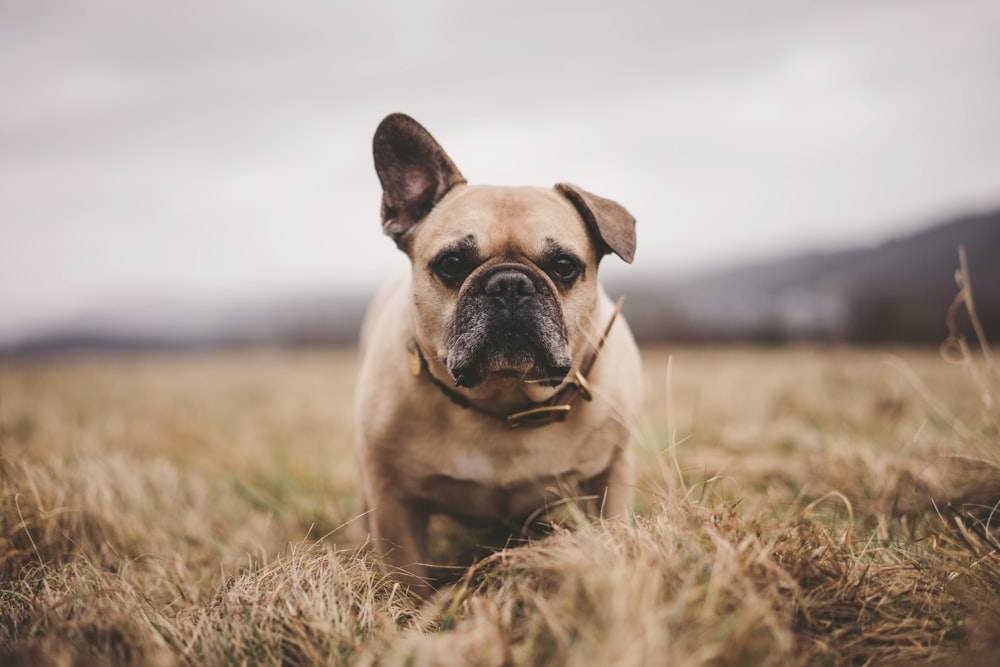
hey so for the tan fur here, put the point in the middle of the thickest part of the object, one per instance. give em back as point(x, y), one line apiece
point(421, 453)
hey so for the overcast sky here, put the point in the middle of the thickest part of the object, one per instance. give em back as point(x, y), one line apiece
point(216, 150)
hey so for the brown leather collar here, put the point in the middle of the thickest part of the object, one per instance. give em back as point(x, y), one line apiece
point(536, 414)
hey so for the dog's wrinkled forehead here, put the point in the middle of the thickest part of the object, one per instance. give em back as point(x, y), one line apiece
point(508, 222)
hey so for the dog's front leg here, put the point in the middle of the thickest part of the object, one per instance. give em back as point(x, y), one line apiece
point(399, 530)
point(615, 487)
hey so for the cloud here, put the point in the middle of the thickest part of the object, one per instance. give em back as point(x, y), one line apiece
point(224, 148)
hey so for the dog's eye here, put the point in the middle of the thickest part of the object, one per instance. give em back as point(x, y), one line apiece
point(451, 267)
point(564, 268)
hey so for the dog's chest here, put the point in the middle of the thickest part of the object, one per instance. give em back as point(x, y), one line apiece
point(488, 501)
point(507, 476)
point(512, 460)
point(473, 465)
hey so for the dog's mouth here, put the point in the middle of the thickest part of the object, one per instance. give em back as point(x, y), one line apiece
point(506, 359)
point(508, 327)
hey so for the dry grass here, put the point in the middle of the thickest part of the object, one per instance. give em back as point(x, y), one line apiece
point(797, 506)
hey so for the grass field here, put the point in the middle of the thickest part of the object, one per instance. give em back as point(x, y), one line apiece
point(795, 506)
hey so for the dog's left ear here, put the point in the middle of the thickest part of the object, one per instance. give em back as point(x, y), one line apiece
point(607, 220)
point(415, 173)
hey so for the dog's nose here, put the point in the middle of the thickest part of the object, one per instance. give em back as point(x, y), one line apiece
point(510, 286)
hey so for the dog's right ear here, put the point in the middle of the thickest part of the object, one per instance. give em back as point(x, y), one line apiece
point(415, 173)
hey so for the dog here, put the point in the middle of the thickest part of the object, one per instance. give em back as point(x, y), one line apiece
point(496, 376)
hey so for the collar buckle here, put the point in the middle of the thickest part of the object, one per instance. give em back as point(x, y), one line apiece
point(540, 416)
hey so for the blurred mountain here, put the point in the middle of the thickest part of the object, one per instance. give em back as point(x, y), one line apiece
point(166, 324)
point(895, 292)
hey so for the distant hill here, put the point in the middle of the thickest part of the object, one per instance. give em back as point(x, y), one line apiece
point(319, 319)
point(895, 292)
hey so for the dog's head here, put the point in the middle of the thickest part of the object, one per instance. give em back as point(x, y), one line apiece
point(504, 279)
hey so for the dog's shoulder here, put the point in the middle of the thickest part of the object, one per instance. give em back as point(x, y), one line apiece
point(386, 311)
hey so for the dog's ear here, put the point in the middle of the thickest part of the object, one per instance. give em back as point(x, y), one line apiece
point(607, 220)
point(415, 173)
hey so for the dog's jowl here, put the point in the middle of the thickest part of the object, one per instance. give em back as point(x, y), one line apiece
point(497, 377)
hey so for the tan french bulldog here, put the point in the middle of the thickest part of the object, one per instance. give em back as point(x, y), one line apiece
point(497, 377)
